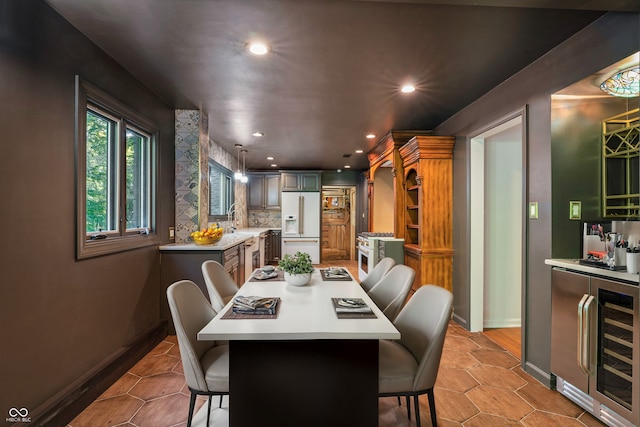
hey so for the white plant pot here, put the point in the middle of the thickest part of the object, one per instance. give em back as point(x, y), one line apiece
point(297, 279)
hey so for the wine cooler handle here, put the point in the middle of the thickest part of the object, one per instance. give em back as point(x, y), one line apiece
point(586, 340)
point(581, 334)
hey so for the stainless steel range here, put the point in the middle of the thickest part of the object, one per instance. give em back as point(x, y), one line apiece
point(372, 247)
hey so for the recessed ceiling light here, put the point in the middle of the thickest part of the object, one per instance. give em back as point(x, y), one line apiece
point(408, 88)
point(273, 165)
point(257, 134)
point(269, 158)
point(258, 48)
point(370, 136)
point(359, 151)
point(347, 166)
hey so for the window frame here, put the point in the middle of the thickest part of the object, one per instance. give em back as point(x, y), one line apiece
point(217, 167)
point(89, 97)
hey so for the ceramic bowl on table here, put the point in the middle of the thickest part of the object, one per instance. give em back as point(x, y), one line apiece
point(297, 279)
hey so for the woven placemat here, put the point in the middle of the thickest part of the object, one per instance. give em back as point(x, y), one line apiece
point(231, 315)
point(326, 277)
point(343, 315)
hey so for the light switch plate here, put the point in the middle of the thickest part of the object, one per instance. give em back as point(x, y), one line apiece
point(171, 233)
point(533, 210)
point(575, 210)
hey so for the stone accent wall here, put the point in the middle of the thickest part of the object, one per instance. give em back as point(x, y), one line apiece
point(193, 150)
point(187, 172)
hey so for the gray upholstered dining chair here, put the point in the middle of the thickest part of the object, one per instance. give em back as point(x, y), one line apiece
point(391, 291)
point(409, 366)
point(220, 284)
point(377, 273)
point(205, 363)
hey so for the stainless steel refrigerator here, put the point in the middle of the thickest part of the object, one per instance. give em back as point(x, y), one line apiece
point(301, 224)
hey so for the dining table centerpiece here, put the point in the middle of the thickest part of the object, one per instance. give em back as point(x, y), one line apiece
point(297, 268)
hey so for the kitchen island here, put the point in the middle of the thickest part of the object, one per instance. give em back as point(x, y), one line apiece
point(306, 366)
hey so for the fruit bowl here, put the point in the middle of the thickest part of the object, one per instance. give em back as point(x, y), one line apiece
point(206, 240)
point(207, 236)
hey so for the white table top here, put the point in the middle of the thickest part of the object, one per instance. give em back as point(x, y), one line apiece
point(305, 313)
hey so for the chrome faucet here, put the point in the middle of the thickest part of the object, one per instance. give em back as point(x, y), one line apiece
point(233, 209)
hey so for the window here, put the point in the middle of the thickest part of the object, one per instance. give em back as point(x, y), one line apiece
point(115, 174)
point(221, 188)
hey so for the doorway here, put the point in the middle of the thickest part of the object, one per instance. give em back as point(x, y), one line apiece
point(338, 223)
point(497, 183)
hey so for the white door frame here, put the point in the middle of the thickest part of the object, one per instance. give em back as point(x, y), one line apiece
point(476, 218)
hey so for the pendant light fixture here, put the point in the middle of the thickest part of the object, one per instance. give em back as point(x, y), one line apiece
point(244, 177)
point(238, 174)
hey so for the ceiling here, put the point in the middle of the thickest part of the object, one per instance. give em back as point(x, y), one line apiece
point(335, 66)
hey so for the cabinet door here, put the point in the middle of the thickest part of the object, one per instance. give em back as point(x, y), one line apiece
point(276, 245)
point(267, 248)
point(567, 289)
point(272, 191)
point(309, 182)
point(290, 181)
point(255, 192)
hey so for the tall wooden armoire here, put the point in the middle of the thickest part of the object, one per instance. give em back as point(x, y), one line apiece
point(386, 155)
point(426, 211)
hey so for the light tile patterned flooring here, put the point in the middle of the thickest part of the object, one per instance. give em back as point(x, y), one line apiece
point(479, 384)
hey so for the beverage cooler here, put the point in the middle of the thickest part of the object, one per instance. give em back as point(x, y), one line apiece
point(595, 349)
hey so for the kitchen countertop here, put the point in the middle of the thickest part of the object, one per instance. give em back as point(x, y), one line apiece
point(574, 264)
point(228, 240)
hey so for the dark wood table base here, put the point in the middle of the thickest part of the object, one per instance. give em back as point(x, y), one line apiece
point(304, 383)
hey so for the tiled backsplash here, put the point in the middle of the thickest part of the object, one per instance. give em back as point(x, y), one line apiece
point(264, 218)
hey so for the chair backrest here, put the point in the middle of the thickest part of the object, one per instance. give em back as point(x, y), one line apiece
point(377, 273)
point(423, 325)
point(391, 291)
point(190, 312)
point(220, 284)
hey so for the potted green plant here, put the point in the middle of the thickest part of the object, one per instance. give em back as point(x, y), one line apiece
point(297, 268)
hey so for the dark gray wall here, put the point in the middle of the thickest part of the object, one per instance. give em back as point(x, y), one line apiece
point(61, 317)
point(611, 38)
point(576, 147)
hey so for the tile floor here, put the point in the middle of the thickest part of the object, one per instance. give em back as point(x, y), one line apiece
point(479, 384)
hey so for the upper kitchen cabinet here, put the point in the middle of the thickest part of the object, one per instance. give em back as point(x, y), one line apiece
point(300, 181)
point(426, 209)
point(385, 182)
point(620, 171)
point(263, 191)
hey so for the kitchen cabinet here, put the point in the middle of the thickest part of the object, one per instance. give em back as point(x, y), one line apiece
point(425, 209)
point(263, 191)
point(595, 351)
point(276, 245)
point(178, 265)
point(567, 289)
point(300, 181)
point(268, 247)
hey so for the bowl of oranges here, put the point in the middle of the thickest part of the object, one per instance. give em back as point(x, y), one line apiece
point(207, 236)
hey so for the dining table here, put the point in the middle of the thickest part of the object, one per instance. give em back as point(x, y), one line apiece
point(308, 364)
